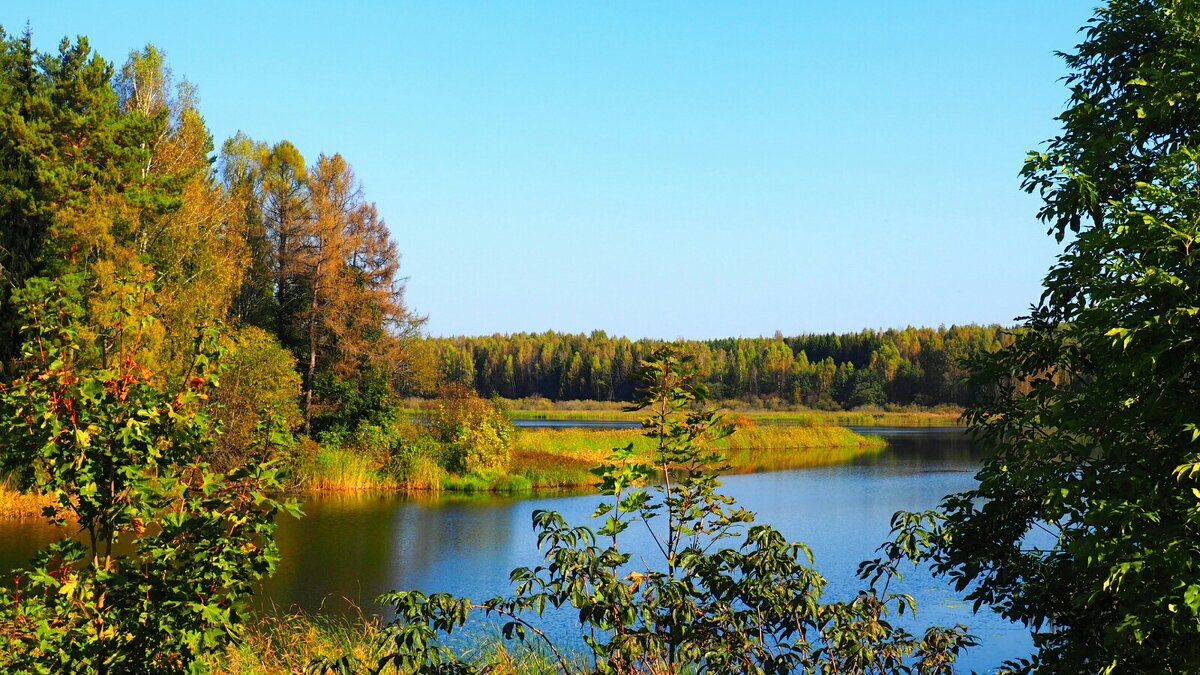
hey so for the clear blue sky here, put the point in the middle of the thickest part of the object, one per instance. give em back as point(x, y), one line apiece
point(651, 169)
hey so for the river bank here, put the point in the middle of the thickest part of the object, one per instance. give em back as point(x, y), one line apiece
point(557, 458)
point(281, 643)
point(542, 459)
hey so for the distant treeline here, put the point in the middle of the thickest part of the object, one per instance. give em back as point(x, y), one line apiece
point(918, 366)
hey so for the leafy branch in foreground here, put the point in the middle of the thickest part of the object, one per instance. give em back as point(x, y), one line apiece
point(170, 548)
point(1084, 523)
point(704, 606)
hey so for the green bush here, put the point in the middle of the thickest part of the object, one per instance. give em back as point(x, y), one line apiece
point(374, 442)
point(410, 461)
point(170, 549)
point(476, 434)
point(259, 385)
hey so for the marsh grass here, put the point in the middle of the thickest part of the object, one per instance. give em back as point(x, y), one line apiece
point(565, 457)
point(278, 643)
point(17, 505)
point(335, 468)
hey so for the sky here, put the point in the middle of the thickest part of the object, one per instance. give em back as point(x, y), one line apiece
point(651, 169)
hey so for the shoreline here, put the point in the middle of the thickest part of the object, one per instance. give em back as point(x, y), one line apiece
point(547, 461)
point(557, 458)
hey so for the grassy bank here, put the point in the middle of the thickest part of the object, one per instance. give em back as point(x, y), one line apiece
point(548, 458)
point(564, 457)
point(286, 643)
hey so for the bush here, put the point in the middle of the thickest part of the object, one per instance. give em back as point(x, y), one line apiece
point(120, 455)
point(374, 442)
point(417, 463)
point(259, 385)
point(476, 433)
point(348, 401)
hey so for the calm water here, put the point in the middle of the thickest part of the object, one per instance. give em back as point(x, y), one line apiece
point(357, 546)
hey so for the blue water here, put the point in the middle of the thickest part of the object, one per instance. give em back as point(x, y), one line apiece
point(358, 547)
point(354, 547)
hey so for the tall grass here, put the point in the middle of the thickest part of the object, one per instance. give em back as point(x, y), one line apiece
point(564, 458)
point(17, 505)
point(285, 643)
point(278, 643)
point(335, 468)
point(425, 473)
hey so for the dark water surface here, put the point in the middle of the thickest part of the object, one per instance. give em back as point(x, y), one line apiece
point(360, 545)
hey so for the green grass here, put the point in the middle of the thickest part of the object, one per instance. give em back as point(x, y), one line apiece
point(563, 458)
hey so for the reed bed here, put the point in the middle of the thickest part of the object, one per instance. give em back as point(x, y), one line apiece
point(17, 505)
point(564, 458)
point(336, 469)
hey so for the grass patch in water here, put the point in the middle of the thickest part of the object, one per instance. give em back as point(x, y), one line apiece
point(564, 457)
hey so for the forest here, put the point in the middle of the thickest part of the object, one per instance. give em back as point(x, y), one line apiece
point(912, 366)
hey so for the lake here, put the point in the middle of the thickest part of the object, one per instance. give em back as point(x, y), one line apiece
point(356, 546)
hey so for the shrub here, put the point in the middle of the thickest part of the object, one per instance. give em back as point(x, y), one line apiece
point(171, 549)
point(259, 385)
point(476, 433)
point(416, 462)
